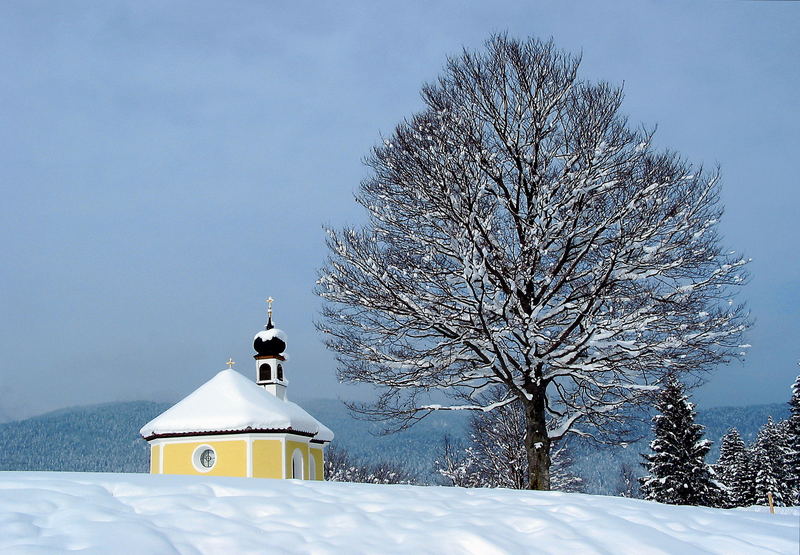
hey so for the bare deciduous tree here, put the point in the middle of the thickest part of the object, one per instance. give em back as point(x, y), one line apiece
point(340, 466)
point(628, 482)
point(496, 456)
point(521, 233)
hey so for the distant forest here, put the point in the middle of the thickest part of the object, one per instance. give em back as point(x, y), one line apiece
point(105, 438)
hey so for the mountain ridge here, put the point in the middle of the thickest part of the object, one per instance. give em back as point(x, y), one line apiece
point(105, 438)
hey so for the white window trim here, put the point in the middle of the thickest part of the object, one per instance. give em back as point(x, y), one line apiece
point(312, 466)
point(196, 458)
point(298, 453)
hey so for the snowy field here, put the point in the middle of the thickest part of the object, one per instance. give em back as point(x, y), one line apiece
point(48, 512)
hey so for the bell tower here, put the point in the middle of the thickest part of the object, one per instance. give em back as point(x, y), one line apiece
point(269, 346)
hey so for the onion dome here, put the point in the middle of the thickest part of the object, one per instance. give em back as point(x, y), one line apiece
point(270, 342)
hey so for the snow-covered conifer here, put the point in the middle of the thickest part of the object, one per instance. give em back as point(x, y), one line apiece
point(793, 433)
point(743, 480)
point(731, 448)
point(677, 471)
point(769, 460)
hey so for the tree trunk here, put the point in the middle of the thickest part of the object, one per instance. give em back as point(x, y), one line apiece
point(537, 442)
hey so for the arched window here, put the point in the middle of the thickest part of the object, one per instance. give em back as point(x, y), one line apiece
point(264, 373)
point(297, 464)
point(280, 372)
point(312, 467)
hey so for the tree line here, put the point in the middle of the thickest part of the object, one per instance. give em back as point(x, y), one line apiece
point(494, 456)
point(744, 475)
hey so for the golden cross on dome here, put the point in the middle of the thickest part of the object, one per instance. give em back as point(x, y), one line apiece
point(230, 362)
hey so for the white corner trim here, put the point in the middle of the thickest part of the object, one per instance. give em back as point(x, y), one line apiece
point(283, 456)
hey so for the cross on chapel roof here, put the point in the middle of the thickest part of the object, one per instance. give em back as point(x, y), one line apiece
point(269, 301)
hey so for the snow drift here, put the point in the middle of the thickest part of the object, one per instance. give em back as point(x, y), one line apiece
point(43, 512)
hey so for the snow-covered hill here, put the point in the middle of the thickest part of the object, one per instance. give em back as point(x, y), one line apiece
point(46, 512)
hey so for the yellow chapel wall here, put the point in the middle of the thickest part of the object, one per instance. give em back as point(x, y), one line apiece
point(267, 458)
point(231, 457)
point(319, 461)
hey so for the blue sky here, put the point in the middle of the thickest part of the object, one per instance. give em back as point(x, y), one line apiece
point(166, 166)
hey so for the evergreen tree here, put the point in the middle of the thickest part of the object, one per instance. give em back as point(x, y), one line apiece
point(677, 470)
point(793, 432)
point(730, 450)
point(743, 477)
point(769, 458)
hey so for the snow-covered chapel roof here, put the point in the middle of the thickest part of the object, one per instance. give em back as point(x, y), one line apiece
point(229, 402)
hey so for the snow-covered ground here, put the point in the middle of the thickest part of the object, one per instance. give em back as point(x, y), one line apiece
point(46, 512)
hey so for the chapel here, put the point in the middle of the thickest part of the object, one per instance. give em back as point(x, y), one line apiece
point(233, 426)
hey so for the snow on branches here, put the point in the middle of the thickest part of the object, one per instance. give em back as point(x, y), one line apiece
point(677, 471)
point(771, 465)
point(521, 233)
point(495, 455)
